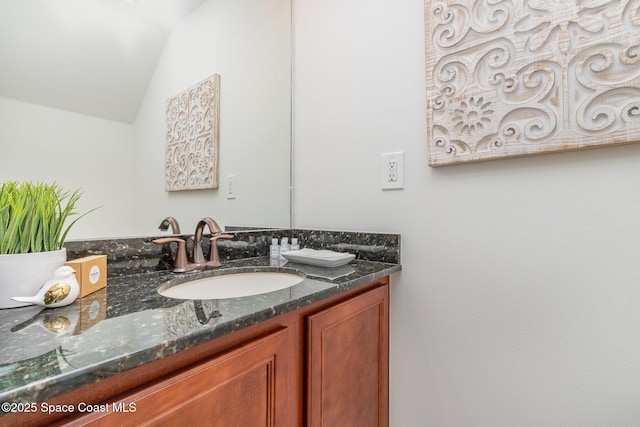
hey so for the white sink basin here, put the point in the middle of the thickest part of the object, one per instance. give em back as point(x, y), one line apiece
point(232, 285)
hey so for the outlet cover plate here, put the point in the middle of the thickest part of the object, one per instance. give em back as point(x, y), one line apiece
point(393, 171)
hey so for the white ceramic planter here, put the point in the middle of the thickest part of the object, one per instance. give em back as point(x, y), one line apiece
point(23, 274)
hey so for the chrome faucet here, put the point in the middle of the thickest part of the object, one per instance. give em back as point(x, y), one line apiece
point(198, 256)
point(170, 221)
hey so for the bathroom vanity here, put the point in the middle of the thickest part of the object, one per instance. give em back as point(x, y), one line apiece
point(313, 354)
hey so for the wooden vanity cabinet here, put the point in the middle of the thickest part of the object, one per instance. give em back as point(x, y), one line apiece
point(348, 362)
point(323, 365)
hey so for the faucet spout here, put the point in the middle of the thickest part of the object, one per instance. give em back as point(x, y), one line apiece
point(198, 256)
point(170, 221)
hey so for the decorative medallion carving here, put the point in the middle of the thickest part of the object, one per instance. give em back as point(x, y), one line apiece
point(512, 78)
point(192, 141)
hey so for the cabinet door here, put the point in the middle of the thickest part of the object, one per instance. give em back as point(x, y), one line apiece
point(348, 363)
point(246, 386)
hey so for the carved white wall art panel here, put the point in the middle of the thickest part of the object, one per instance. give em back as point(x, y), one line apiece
point(192, 143)
point(519, 77)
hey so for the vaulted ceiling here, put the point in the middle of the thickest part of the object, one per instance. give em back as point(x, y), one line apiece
point(91, 57)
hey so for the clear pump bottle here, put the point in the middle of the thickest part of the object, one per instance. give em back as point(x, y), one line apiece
point(274, 249)
point(294, 244)
point(284, 245)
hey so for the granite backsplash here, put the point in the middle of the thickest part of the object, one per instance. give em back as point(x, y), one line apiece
point(135, 255)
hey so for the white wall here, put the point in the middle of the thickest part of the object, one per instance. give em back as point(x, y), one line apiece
point(77, 151)
point(519, 299)
point(247, 43)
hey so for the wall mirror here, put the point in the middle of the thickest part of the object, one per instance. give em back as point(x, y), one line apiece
point(83, 91)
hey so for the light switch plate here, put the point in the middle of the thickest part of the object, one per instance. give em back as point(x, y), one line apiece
point(231, 186)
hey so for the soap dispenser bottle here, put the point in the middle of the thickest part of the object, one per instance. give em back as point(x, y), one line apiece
point(294, 244)
point(274, 249)
point(284, 246)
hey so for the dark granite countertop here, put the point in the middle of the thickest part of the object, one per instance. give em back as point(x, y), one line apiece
point(47, 352)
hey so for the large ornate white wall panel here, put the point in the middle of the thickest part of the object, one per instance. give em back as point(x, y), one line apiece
point(518, 77)
point(191, 157)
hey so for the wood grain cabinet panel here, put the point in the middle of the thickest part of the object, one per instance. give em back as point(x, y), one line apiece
point(347, 363)
point(236, 389)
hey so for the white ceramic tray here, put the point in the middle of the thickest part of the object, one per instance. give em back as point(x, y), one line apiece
point(322, 258)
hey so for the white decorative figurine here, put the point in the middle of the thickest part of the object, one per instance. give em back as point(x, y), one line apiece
point(62, 289)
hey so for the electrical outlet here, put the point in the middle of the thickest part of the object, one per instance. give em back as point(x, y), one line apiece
point(231, 187)
point(393, 171)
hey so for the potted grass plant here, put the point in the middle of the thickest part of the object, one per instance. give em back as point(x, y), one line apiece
point(34, 223)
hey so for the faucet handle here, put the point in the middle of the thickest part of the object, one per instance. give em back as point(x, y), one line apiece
point(214, 258)
point(180, 264)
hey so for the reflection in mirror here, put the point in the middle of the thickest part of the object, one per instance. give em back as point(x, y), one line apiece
point(83, 91)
